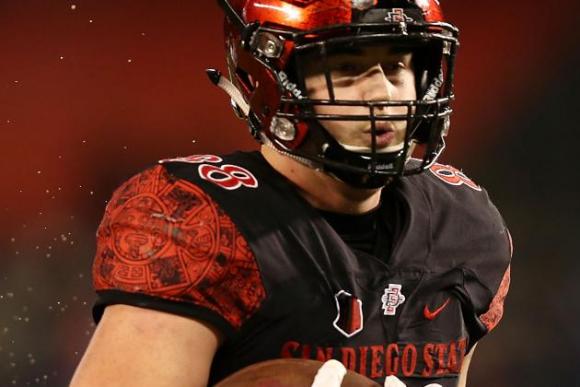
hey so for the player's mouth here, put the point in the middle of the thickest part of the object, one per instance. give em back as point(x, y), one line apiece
point(384, 136)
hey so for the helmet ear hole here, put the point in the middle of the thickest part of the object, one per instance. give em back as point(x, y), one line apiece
point(423, 83)
point(246, 81)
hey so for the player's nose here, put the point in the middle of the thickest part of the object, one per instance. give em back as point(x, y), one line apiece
point(376, 85)
point(378, 88)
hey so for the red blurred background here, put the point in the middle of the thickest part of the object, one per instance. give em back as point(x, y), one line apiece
point(93, 91)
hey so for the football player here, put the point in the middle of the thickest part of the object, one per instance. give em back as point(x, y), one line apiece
point(342, 238)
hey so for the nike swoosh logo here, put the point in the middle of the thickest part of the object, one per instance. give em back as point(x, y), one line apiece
point(431, 315)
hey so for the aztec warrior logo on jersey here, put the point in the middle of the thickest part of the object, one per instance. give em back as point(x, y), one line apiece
point(377, 361)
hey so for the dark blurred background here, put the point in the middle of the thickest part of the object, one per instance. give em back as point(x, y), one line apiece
point(93, 91)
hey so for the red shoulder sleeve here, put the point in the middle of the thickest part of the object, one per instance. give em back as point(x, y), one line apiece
point(495, 312)
point(164, 239)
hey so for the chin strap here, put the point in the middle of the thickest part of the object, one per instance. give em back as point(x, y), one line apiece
point(309, 163)
point(367, 150)
point(238, 102)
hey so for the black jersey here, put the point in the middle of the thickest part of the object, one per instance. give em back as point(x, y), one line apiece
point(229, 241)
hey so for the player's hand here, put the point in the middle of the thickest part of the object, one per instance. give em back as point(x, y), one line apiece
point(393, 381)
point(330, 374)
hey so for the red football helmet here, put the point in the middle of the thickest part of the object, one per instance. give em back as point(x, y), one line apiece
point(268, 43)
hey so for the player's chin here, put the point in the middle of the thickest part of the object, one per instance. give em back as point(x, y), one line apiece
point(346, 132)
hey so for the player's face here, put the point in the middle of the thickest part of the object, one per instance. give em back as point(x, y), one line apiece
point(365, 74)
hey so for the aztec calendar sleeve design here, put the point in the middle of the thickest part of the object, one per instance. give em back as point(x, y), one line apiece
point(164, 243)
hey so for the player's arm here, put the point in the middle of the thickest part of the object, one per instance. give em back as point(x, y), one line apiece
point(171, 271)
point(465, 367)
point(133, 346)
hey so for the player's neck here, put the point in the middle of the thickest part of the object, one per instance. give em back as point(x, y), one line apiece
point(321, 190)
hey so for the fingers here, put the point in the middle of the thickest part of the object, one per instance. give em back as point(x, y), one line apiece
point(330, 374)
point(393, 381)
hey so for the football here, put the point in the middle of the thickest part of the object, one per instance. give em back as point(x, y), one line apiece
point(287, 373)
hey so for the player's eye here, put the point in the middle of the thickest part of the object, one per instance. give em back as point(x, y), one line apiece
point(346, 68)
point(393, 67)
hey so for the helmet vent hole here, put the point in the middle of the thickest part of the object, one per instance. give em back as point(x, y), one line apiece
point(246, 80)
